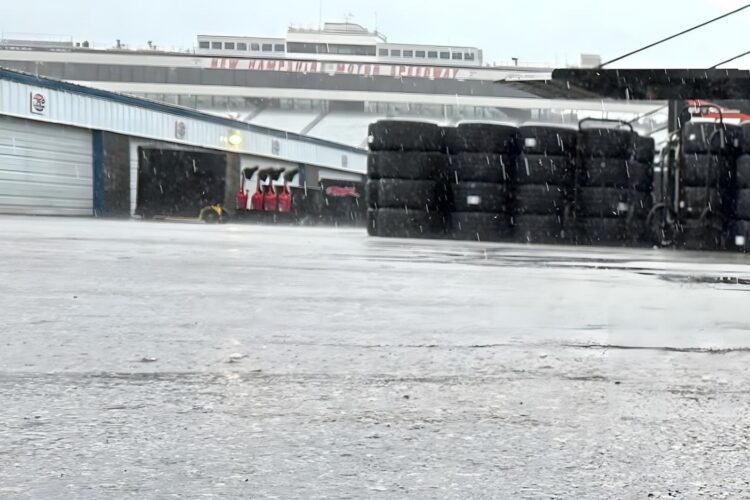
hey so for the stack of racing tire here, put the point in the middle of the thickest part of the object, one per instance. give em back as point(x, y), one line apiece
point(482, 159)
point(741, 223)
point(707, 180)
point(406, 187)
point(544, 179)
point(614, 184)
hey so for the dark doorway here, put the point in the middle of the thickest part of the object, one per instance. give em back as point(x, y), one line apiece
point(179, 183)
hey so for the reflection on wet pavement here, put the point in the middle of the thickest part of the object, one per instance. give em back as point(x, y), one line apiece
point(159, 361)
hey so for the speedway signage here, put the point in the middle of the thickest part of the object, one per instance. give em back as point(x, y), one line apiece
point(358, 69)
point(284, 66)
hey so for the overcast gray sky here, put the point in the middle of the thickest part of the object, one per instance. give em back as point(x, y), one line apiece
point(544, 31)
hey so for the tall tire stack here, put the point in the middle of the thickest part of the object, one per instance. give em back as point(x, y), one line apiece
point(741, 223)
point(643, 182)
point(543, 178)
point(482, 158)
point(706, 185)
point(405, 194)
point(614, 184)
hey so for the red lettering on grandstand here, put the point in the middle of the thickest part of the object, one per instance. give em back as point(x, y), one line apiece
point(395, 71)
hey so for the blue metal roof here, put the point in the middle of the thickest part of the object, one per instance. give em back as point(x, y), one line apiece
point(40, 81)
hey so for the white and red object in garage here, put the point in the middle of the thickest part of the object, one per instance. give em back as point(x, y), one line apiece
point(242, 196)
point(285, 195)
point(269, 197)
point(256, 200)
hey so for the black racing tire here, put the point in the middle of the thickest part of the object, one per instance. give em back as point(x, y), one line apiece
point(606, 143)
point(372, 223)
point(616, 172)
point(709, 137)
point(541, 169)
point(743, 171)
point(641, 203)
point(661, 226)
point(479, 197)
point(741, 235)
point(641, 176)
point(645, 150)
point(539, 200)
point(537, 228)
point(486, 138)
point(408, 166)
point(480, 167)
point(574, 229)
point(401, 223)
point(744, 138)
point(450, 140)
point(742, 207)
point(601, 172)
point(605, 231)
point(480, 226)
point(416, 195)
point(706, 170)
point(211, 217)
point(697, 200)
point(371, 193)
point(546, 140)
point(604, 202)
point(637, 232)
point(402, 135)
point(701, 234)
point(616, 231)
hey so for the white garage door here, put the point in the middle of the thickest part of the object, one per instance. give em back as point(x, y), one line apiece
point(45, 169)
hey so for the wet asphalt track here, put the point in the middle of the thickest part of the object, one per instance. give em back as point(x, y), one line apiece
point(154, 360)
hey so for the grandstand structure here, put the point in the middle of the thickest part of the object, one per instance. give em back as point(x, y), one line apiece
point(339, 42)
point(328, 83)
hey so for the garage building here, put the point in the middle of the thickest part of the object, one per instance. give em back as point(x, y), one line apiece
point(72, 150)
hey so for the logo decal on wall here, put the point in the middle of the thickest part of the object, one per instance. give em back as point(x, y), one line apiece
point(38, 103)
point(180, 130)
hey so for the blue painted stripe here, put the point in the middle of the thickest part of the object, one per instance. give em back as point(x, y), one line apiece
point(39, 81)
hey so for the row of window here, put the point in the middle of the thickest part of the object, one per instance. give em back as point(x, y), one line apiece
point(337, 49)
point(326, 48)
point(242, 46)
point(427, 54)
